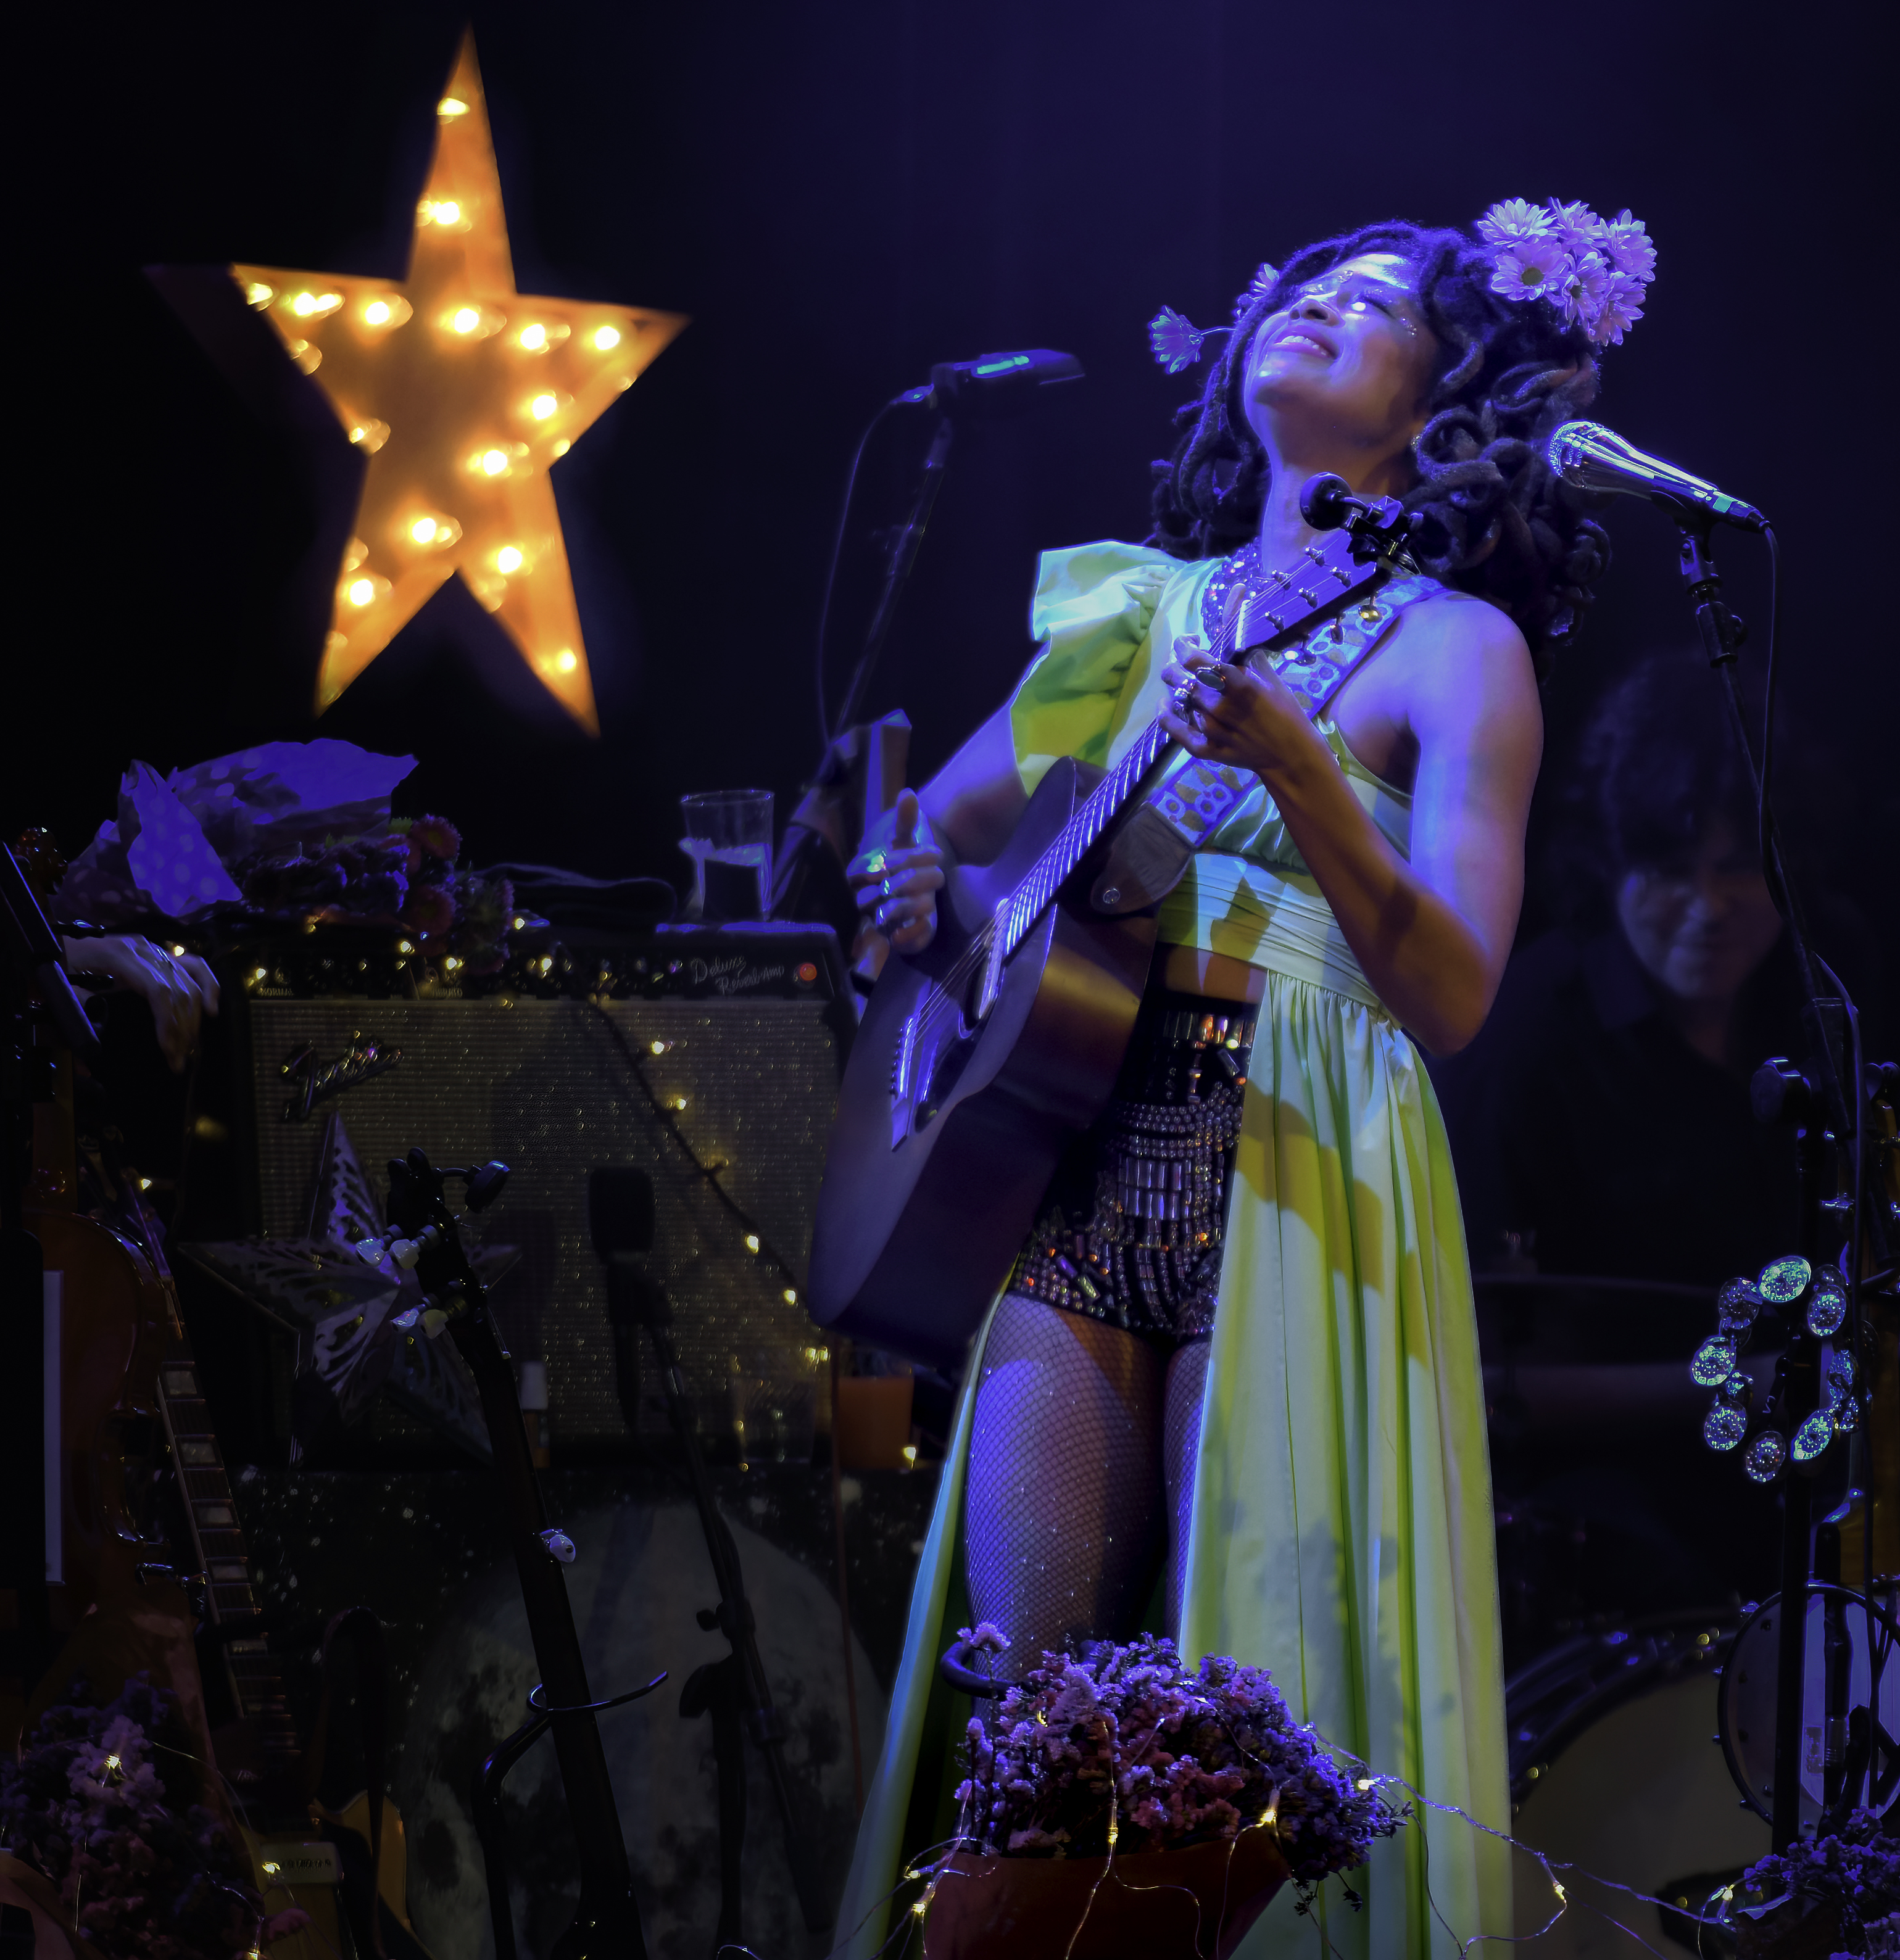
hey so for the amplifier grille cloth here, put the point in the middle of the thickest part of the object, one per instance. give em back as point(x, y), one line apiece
point(541, 1085)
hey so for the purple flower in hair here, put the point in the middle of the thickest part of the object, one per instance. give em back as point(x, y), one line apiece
point(1630, 250)
point(1513, 219)
point(1577, 225)
point(1265, 278)
point(1530, 269)
point(1582, 290)
point(1177, 341)
point(1619, 311)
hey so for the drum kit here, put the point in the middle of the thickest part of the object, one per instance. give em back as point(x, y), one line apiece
point(1642, 1616)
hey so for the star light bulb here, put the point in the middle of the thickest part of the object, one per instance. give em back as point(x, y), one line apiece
point(448, 416)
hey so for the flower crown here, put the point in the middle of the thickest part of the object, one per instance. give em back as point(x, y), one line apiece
point(1592, 270)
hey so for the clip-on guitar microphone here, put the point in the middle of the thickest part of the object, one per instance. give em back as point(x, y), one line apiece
point(1380, 526)
point(733, 1691)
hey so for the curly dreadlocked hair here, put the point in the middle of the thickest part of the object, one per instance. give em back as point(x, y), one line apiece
point(1490, 516)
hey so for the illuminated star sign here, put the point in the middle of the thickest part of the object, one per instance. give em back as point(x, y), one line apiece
point(462, 393)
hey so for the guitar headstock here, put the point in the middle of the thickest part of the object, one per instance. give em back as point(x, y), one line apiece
point(1331, 572)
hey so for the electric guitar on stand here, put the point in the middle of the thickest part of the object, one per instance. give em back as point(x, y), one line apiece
point(977, 1062)
point(123, 1411)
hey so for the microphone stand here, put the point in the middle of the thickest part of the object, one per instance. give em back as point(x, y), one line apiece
point(606, 1922)
point(734, 1692)
point(900, 558)
point(1817, 1102)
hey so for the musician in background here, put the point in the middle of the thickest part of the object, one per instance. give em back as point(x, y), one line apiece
point(1600, 1122)
point(1277, 1397)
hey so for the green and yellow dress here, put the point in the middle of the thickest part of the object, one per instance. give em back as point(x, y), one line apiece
point(1342, 1534)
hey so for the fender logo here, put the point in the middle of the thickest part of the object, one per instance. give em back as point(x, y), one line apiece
point(312, 1081)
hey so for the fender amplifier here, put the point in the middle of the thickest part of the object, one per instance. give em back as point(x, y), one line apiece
point(741, 1036)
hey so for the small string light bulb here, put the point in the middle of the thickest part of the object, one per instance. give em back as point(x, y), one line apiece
point(494, 462)
point(566, 660)
point(113, 1764)
point(791, 1295)
point(508, 558)
point(533, 337)
point(606, 338)
point(752, 1242)
point(361, 591)
point(448, 212)
point(464, 319)
point(677, 1102)
point(258, 294)
point(449, 108)
point(543, 406)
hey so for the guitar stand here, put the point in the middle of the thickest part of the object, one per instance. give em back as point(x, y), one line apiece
point(484, 1799)
point(733, 1691)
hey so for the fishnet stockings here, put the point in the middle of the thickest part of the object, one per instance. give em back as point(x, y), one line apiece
point(1180, 1440)
point(1081, 1461)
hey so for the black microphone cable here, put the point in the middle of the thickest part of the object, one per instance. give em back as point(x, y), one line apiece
point(831, 568)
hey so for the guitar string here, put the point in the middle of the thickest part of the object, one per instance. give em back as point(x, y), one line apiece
point(1032, 896)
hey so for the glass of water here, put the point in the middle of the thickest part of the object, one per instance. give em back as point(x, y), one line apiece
point(728, 837)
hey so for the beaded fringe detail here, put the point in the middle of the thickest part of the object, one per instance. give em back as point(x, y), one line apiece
point(1146, 1256)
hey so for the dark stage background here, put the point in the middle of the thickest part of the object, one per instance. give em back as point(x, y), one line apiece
point(840, 196)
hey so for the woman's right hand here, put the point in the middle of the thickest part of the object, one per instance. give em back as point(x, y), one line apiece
point(896, 886)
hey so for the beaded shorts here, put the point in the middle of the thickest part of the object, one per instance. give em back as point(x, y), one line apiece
point(1132, 1229)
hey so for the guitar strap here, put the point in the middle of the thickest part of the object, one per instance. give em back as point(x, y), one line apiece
point(1190, 798)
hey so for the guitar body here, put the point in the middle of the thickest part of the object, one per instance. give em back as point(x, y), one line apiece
point(933, 1181)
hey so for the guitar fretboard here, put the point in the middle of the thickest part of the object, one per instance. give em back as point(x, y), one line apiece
point(218, 1540)
point(1079, 834)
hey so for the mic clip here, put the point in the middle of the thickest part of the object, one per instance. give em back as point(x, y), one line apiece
point(1380, 528)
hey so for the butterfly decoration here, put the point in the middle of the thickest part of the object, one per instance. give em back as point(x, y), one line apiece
point(344, 1311)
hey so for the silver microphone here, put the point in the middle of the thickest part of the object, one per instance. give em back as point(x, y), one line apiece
point(1595, 458)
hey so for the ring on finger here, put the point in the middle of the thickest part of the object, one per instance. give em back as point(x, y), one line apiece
point(1215, 679)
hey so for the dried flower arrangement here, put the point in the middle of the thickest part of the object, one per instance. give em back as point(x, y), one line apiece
point(103, 1802)
point(1124, 1748)
point(1853, 1874)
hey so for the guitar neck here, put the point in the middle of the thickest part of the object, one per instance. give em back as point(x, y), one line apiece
point(220, 1553)
point(1335, 575)
point(1078, 835)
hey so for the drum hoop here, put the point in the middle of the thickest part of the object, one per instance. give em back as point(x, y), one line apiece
point(1817, 1588)
point(1555, 1728)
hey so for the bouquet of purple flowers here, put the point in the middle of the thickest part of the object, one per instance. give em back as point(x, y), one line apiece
point(1855, 1872)
point(291, 830)
point(1125, 1746)
point(106, 1809)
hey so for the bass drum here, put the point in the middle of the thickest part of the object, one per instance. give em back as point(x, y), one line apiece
point(1616, 1771)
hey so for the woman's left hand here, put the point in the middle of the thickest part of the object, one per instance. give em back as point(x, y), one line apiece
point(1239, 716)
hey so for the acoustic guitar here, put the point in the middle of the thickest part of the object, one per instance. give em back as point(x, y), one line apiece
point(978, 1061)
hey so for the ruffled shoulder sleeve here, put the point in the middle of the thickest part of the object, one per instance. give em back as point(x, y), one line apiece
point(1093, 606)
